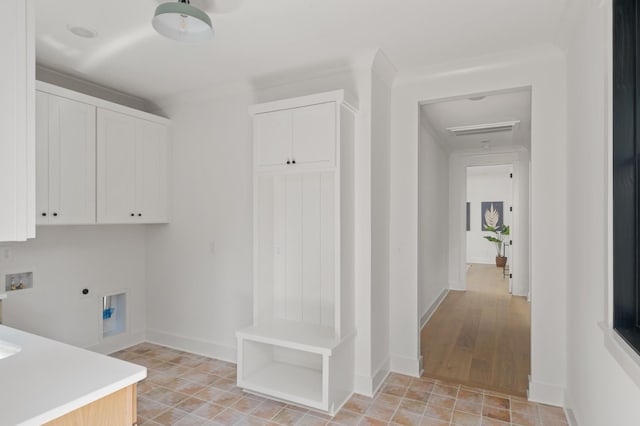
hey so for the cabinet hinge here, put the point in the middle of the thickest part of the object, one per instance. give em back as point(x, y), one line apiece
point(511, 175)
point(510, 209)
point(510, 275)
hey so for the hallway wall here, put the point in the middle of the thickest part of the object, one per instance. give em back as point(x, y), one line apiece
point(433, 249)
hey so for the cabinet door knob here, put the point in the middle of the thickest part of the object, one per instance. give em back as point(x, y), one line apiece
point(139, 214)
point(55, 214)
point(288, 162)
point(133, 214)
point(44, 214)
point(293, 161)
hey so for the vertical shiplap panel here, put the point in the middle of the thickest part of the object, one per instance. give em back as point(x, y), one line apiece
point(265, 246)
point(293, 290)
point(327, 249)
point(279, 248)
point(311, 249)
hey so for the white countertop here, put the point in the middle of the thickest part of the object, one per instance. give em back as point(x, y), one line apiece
point(3, 296)
point(48, 379)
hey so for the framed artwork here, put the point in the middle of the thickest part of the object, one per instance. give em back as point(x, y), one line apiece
point(491, 213)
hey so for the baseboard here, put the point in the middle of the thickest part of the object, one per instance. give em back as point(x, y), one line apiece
point(407, 366)
point(193, 345)
point(456, 286)
point(118, 342)
point(429, 312)
point(368, 386)
point(546, 393)
point(571, 417)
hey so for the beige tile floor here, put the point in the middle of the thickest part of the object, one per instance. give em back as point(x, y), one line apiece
point(187, 389)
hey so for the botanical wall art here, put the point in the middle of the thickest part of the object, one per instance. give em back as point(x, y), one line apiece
point(492, 214)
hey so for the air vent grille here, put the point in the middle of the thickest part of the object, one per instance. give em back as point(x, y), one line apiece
point(478, 129)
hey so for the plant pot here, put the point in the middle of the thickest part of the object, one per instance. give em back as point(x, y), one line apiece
point(501, 261)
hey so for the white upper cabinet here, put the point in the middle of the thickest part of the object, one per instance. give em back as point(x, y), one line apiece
point(272, 138)
point(303, 137)
point(151, 172)
point(65, 158)
point(17, 121)
point(314, 134)
point(132, 169)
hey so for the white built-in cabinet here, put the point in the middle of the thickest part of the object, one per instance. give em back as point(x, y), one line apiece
point(302, 137)
point(300, 348)
point(17, 120)
point(132, 169)
point(65, 161)
point(98, 162)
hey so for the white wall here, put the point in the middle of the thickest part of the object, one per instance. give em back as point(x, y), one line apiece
point(66, 259)
point(433, 211)
point(486, 183)
point(198, 296)
point(200, 267)
point(380, 216)
point(543, 69)
point(599, 390)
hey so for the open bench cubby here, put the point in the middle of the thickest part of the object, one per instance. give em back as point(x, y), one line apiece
point(297, 363)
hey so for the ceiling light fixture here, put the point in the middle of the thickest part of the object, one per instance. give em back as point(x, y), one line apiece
point(182, 22)
point(477, 129)
point(83, 32)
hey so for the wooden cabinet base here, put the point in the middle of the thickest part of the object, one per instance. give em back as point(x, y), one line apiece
point(117, 409)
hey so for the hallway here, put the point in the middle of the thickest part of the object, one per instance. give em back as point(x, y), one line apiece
point(480, 337)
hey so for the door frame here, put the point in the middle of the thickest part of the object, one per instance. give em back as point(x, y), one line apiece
point(519, 159)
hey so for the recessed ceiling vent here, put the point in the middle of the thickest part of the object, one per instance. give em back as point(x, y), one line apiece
point(477, 129)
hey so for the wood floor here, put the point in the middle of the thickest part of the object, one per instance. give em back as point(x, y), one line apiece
point(480, 337)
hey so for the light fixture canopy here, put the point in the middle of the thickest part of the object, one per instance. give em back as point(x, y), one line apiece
point(182, 22)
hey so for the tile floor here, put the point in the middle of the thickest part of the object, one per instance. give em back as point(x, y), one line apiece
point(187, 389)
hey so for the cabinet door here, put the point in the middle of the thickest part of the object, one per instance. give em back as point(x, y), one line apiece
point(42, 158)
point(151, 173)
point(272, 139)
point(314, 135)
point(116, 167)
point(72, 162)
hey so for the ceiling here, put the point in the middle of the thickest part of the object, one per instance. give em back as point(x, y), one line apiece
point(486, 109)
point(257, 38)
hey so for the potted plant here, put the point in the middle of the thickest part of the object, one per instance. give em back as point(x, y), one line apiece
point(499, 237)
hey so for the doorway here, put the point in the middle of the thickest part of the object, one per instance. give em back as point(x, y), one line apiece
point(476, 318)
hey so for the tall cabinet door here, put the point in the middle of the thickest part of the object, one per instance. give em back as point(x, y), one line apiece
point(72, 162)
point(42, 158)
point(116, 167)
point(151, 173)
point(314, 135)
point(272, 139)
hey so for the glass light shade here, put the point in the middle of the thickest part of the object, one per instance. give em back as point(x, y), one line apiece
point(182, 22)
